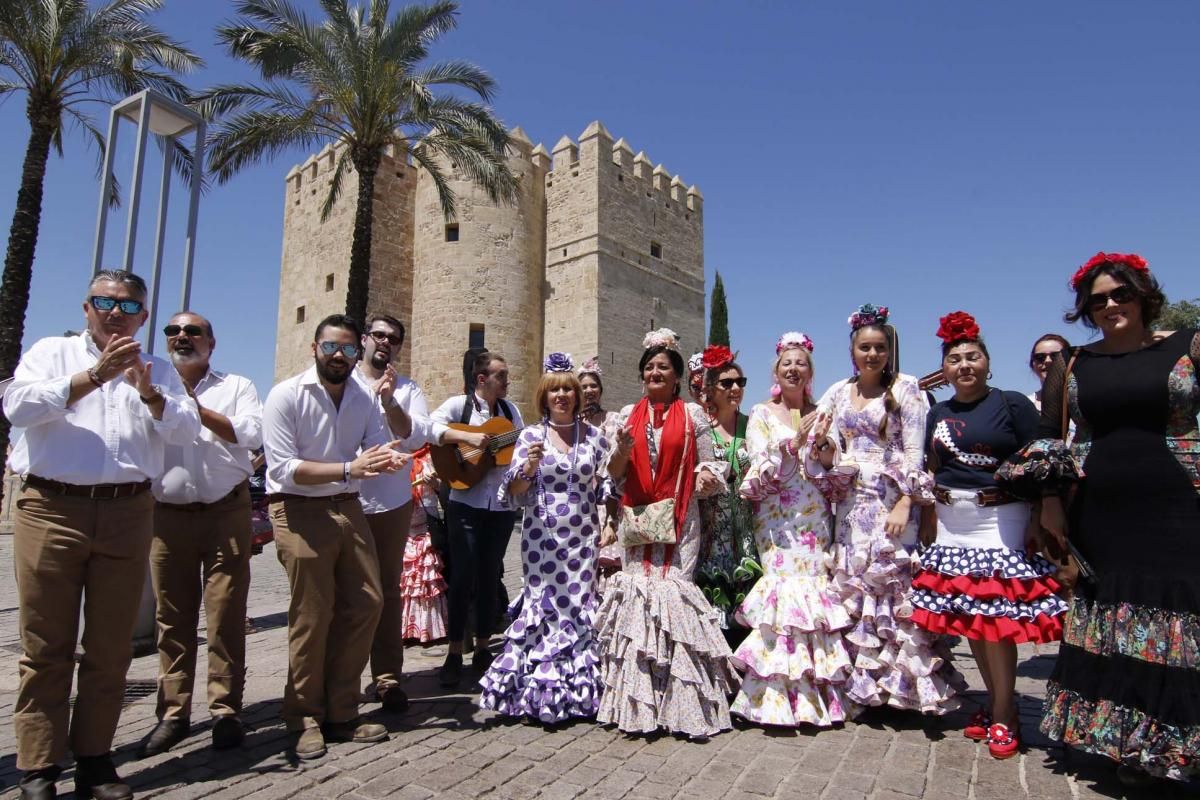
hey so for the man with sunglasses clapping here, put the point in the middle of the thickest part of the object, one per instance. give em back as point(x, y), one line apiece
point(322, 439)
point(97, 415)
point(201, 542)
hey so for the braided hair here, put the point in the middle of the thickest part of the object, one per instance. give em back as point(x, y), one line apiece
point(887, 376)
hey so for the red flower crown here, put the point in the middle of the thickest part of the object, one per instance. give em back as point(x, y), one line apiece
point(958, 326)
point(1131, 260)
point(716, 356)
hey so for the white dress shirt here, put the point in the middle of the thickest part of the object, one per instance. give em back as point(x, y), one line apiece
point(482, 494)
point(301, 423)
point(394, 489)
point(208, 468)
point(107, 436)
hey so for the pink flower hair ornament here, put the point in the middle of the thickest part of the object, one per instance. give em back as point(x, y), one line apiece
point(868, 314)
point(663, 337)
point(591, 366)
point(793, 339)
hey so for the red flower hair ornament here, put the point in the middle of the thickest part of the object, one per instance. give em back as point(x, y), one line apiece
point(1131, 260)
point(958, 326)
point(716, 356)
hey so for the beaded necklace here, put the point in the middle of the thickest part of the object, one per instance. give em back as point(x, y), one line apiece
point(572, 476)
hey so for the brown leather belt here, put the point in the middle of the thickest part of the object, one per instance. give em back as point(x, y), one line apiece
point(98, 491)
point(201, 506)
point(982, 497)
point(280, 497)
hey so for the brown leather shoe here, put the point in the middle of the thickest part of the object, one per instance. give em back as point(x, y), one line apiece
point(355, 730)
point(309, 743)
point(96, 779)
point(227, 732)
point(166, 734)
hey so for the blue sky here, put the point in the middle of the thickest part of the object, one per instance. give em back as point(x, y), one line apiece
point(929, 156)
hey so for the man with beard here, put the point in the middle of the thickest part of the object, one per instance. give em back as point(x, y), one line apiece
point(202, 542)
point(322, 438)
point(96, 414)
point(387, 500)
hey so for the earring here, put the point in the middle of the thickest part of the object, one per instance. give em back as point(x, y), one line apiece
point(776, 390)
point(989, 375)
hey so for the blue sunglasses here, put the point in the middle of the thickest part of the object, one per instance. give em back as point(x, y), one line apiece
point(348, 350)
point(102, 303)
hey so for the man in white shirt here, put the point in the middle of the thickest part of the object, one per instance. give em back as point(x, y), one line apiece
point(478, 525)
point(97, 414)
point(201, 542)
point(322, 438)
point(387, 500)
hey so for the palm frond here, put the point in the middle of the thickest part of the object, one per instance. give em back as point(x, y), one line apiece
point(85, 123)
point(474, 156)
point(458, 73)
point(335, 184)
point(427, 159)
point(247, 138)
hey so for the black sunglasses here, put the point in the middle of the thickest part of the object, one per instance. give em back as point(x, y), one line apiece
point(1119, 295)
point(102, 303)
point(1038, 358)
point(190, 330)
point(729, 383)
point(384, 336)
point(348, 350)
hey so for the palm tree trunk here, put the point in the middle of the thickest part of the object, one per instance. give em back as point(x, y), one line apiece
point(366, 164)
point(18, 261)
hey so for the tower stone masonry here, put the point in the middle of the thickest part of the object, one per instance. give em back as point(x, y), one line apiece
point(600, 246)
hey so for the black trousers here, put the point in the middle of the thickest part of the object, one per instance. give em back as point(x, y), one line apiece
point(478, 539)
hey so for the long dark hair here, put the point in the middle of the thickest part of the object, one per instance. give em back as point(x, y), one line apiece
point(888, 375)
point(1149, 294)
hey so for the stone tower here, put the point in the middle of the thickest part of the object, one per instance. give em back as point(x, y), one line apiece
point(316, 254)
point(479, 279)
point(625, 255)
point(593, 253)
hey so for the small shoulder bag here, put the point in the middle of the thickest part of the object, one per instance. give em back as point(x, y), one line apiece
point(654, 523)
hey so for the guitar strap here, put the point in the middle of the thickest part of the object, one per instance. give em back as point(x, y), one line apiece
point(469, 403)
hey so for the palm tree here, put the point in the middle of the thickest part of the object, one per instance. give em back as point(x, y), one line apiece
point(63, 55)
point(356, 78)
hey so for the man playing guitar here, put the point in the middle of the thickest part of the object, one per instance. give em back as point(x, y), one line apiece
point(478, 525)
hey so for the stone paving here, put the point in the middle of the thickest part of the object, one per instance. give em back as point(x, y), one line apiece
point(445, 747)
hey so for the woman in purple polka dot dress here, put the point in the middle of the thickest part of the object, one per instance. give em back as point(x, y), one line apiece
point(549, 667)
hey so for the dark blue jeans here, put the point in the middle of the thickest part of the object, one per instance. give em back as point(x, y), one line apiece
point(478, 539)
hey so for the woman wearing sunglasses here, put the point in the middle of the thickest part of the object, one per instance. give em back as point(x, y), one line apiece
point(795, 659)
point(1044, 350)
point(1127, 681)
point(976, 580)
point(728, 564)
point(878, 418)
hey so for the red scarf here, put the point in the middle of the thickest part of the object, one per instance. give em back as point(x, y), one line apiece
point(642, 486)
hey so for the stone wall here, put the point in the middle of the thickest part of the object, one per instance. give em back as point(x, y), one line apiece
point(316, 254)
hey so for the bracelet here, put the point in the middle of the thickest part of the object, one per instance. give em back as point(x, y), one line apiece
point(94, 377)
point(345, 471)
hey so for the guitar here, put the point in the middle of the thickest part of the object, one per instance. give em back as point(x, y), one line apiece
point(461, 466)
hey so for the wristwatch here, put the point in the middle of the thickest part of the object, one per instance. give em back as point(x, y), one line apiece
point(154, 397)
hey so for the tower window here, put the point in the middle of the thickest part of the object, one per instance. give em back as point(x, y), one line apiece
point(299, 314)
point(452, 232)
point(475, 335)
point(329, 282)
point(655, 250)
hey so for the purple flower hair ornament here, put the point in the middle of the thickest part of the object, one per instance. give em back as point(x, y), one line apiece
point(558, 362)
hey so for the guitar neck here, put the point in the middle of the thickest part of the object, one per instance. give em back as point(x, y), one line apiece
point(497, 443)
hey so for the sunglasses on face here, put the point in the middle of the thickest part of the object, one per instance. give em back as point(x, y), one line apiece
point(729, 383)
point(348, 350)
point(190, 330)
point(1119, 295)
point(1038, 358)
point(102, 303)
point(384, 336)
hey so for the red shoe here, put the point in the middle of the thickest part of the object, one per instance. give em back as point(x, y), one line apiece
point(1002, 742)
point(977, 726)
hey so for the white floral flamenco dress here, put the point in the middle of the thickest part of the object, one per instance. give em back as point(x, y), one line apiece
point(895, 663)
point(795, 658)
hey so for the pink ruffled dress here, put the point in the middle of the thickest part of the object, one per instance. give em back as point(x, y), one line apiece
point(895, 663)
point(422, 585)
point(795, 658)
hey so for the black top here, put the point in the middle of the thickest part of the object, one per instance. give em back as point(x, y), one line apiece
point(969, 440)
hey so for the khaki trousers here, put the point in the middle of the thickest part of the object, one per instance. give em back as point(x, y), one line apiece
point(327, 550)
point(389, 529)
point(66, 549)
point(201, 552)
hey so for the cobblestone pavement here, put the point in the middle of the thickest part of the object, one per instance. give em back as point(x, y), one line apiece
point(445, 747)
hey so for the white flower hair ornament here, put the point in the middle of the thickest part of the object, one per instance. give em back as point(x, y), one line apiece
point(591, 366)
point(793, 339)
point(696, 363)
point(663, 337)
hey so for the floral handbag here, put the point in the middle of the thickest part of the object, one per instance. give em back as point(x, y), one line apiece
point(654, 523)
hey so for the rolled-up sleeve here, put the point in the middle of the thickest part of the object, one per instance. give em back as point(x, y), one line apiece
point(39, 391)
point(180, 423)
point(279, 436)
point(247, 419)
point(422, 425)
point(439, 420)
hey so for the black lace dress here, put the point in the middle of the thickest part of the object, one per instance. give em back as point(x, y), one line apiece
point(1127, 681)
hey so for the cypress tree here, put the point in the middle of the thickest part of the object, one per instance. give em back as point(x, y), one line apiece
point(718, 321)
